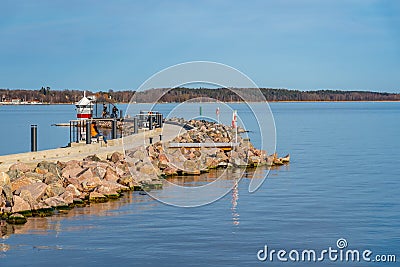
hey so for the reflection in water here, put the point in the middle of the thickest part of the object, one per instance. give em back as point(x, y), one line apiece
point(235, 199)
point(130, 203)
point(53, 224)
point(194, 180)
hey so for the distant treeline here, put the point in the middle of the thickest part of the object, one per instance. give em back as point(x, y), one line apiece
point(45, 94)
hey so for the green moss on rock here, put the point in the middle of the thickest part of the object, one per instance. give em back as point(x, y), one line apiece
point(16, 218)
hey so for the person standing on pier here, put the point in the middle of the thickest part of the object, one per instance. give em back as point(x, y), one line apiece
point(104, 113)
point(95, 133)
point(114, 112)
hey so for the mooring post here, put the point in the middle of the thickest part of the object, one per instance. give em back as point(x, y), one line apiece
point(33, 137)
point(150, 122)
point(156, 120)
point(151, 140)
point(88, 135)
point(160, 137)
point(77, 125)
point(161, 120)
point(70, 132)
point(135, 125)
point(114, 129)
point(121, 113)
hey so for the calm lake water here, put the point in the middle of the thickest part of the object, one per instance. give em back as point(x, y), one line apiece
point(343, 182)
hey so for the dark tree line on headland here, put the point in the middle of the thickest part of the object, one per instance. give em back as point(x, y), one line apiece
point(47, 95)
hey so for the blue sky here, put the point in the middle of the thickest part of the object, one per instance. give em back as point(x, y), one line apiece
point(101, 45)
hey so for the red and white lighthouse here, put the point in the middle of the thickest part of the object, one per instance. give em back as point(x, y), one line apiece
point(84, 108)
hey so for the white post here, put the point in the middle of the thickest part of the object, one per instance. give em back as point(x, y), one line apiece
point(236, 132)
point(234, 124)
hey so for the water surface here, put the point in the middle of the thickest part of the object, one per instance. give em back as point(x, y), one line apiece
point(342, 182)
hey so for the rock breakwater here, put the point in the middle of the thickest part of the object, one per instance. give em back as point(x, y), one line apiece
point(52, 187)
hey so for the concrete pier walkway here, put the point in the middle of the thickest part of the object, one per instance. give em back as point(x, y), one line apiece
point(79, 151)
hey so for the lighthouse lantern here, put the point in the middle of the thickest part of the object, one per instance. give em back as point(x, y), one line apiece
point(84, 108)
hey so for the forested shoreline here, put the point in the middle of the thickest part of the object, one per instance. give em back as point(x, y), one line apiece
point(47, 95)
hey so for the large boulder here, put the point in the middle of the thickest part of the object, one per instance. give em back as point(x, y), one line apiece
point(14, 174)
point(16, 218)
point(70, 164)
point(27, 196)
point(128, 181)
point(20, 182)
point(42, 209)
point(122, 168)
point(73, 190)
point(116, 157)
point(110, 188)
point(114, 185)
point(55, 202)
point(34, 176)
point(222, 156)
point(85, 174)
point(148, 169)
point(139, 154)
point(2, 199)
point(71, 171)
point(20, 166)
point(41, 170)
point(191, 167)
point(6, 192)
point(152, 152)
point(100, 170)
point(37, 190)
point(75, 182)
point(90, 183)
point(50, 178)
point(92, 158)
point(254, 160)
point(170, 171)
point(4, 179)
point(20, 205)
point(54, 189)
point(67, 197)
point(97, 197)
point(163, 164)
point(111, 175)
point(211, 162)
point(50, 167)
point(239, 162)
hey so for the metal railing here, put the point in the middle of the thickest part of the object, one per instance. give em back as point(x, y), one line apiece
point(79, 130)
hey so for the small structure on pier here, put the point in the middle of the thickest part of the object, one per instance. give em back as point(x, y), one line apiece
point(89, 107)
point(84, 107)
point(113, 127)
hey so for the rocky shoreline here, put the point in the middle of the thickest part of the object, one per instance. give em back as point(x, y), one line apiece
point(53, 187)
